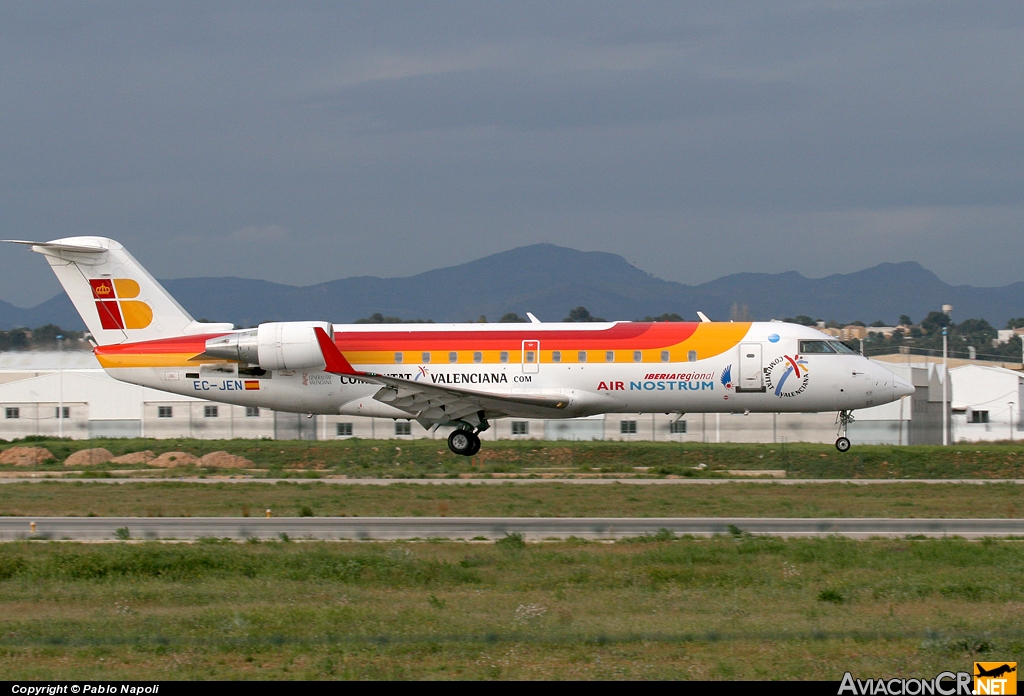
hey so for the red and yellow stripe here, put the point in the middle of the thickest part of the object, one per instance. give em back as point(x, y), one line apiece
point(379, 347)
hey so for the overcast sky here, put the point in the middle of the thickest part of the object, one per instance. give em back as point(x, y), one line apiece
point(302, 142)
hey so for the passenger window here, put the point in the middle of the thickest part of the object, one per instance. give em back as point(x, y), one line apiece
point(637, 356)
point(609, 356)
point(503, 356)
point(692, 356)
point(426, 357)
point(664, 356)
point(453, 357)
point(531, 357)
point(816, 347)
point(398, 358)
point(841, 347)
point(556, 356)
point(582, 356)
point(478, 357)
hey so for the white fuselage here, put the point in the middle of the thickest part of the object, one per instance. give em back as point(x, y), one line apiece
point(766, 371)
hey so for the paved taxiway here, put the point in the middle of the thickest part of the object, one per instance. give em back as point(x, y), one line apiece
point(384, 528)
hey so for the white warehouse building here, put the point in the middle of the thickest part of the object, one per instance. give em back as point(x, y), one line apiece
point(987, 403)
point(68, 394)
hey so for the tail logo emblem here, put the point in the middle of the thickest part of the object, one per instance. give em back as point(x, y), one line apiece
point(116, 306)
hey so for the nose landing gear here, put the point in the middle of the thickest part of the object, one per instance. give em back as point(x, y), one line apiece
point(464, 442)
point(843, 418)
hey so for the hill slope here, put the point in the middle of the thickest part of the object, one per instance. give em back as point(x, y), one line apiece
point(548, 280)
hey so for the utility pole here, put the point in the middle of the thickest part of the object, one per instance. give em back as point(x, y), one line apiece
point(60, 401)
point(60, 388)
point(945, 380)
point(900, 441)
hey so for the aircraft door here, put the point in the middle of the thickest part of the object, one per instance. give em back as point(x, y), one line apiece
point(531, 357)
point(751, 376)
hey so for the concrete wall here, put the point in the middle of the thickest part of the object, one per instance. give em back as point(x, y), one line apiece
point(40, 418)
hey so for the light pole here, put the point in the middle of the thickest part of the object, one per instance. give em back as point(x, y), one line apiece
point(945, 379)
point(60, 388)
point(1011, 421)
point(60, 401)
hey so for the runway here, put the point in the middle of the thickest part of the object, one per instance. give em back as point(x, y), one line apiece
point(469, 528)
point(502, 481)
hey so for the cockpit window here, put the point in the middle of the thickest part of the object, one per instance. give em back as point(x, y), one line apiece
point(816, 347)
point(842, 347)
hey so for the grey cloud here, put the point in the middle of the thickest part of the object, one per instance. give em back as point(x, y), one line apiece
point(304, 142)
point(549, 102)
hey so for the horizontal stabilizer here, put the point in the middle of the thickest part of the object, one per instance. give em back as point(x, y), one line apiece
point(41, 247)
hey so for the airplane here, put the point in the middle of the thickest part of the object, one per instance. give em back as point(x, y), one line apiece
point(459, 375)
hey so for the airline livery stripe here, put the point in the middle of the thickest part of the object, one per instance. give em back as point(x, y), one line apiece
point(636, 336)
point(152, 360)
point(705, 340)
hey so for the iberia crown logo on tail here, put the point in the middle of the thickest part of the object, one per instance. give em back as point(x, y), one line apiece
point(116, 306)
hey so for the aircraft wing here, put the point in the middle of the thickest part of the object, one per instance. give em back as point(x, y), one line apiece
point(435, 403)
point(439, 404)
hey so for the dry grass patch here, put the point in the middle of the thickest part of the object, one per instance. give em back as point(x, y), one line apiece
point(737, 499)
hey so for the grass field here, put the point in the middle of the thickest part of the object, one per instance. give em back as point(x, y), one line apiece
point(740, 499)
point(417, 458)
point(725, 608)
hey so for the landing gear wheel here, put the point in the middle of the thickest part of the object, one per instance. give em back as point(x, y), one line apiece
point(464, 442)
point(843, 418)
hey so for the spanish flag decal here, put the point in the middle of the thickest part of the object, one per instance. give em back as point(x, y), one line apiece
point(252, 384)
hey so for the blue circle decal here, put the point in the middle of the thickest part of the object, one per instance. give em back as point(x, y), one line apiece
point(774, 338)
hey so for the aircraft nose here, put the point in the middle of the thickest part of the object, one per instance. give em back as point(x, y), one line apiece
point(901, 387)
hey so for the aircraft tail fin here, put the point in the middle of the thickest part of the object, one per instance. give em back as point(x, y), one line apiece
point(118, 299)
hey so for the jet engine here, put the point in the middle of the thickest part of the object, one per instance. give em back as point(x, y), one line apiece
point(279, 345)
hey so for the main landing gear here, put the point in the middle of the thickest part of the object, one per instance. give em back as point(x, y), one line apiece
point(843, 418)
point(464, 442)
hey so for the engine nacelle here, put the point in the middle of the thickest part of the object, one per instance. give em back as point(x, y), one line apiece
point(279, 345)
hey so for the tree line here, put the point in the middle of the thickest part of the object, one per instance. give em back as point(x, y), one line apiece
point(923, 337)
point(46, 337)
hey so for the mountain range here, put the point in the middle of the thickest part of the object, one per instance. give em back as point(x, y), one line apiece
point(549, 280)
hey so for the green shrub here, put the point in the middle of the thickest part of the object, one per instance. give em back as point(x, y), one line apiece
point(511, 541)
point(833, 596)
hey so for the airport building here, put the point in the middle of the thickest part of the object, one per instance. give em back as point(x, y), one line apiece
point(987, 403)
point(67, 394)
